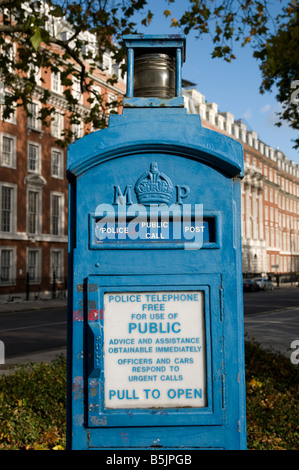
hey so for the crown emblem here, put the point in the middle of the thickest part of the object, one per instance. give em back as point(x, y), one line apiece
point(153, 187)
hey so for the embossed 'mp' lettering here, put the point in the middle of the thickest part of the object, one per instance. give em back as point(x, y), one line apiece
point(124, 198)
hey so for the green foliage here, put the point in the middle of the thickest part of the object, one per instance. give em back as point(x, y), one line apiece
point(33, 404)
point(32, 407)
point(279, 57)
point(270, 28)
point(272, 391)
point(30, 26)
point(273, 38)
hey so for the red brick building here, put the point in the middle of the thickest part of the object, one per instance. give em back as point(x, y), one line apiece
point(34, 190)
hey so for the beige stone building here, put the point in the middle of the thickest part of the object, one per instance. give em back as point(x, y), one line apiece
point(270, 195)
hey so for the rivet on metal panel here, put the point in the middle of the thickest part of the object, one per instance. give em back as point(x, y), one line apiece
point(80, 355)
point(93, 407)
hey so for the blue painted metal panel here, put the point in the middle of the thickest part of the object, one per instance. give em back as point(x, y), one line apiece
point(213, 413)
point(204, 168)
point(138, 131)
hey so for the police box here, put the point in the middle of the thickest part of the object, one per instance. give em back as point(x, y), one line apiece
point(155, 314)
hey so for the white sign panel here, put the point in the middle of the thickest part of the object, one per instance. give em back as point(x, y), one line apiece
point(154, 349)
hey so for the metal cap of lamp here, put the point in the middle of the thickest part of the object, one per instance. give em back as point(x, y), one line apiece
point(154, 70)
point(154, 75)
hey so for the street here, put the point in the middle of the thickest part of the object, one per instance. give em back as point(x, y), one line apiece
point(44, 329)
point(33, 331)
point(268, 301)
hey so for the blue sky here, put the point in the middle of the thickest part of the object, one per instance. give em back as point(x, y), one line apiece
point(234, 87)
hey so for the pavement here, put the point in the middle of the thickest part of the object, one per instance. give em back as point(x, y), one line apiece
point(274, 330)
point(19, 305)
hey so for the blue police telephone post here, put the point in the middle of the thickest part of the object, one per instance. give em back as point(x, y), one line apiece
point(156, 353)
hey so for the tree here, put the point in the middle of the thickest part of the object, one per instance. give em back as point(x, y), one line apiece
point(86, 30)
point(279, 58)
point(274, 38)
point(91, 27)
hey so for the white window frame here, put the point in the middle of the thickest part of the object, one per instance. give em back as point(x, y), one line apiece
point(13, 212)
point(57, 152)
point(56, 82)
point(107, 63)
point(56, 125)
point(116, 70)
point(111, 98)
point(60, 215)
point(12, 267)
point(38, 221)
point(13, 151)
point(33, 121)
point(10, 54)
point(76, 90)
point(37, 170)
point(59, 277)
point(13, 117)
point(77, 130)
point(37, 278)
point(36, 71)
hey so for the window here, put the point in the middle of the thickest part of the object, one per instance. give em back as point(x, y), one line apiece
point(34, 158)
point(56, 83)
point(116, 70)
point(6, 209)
point(107, 63)
point(7, 265)
point(8, 150)
point(112, 103)
point(8, 50)
point(57, 163)
point(57, 214)
point(77, 130)
point(271, 214)
point(33, 212)
point(266, 213)
point(7, 206)
point(35, 72)
point(33, 121)
point(266, 193)
point(56, 125)
point(57, 265)
point(33, 265)
point(77, 90)
point(12, 118)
